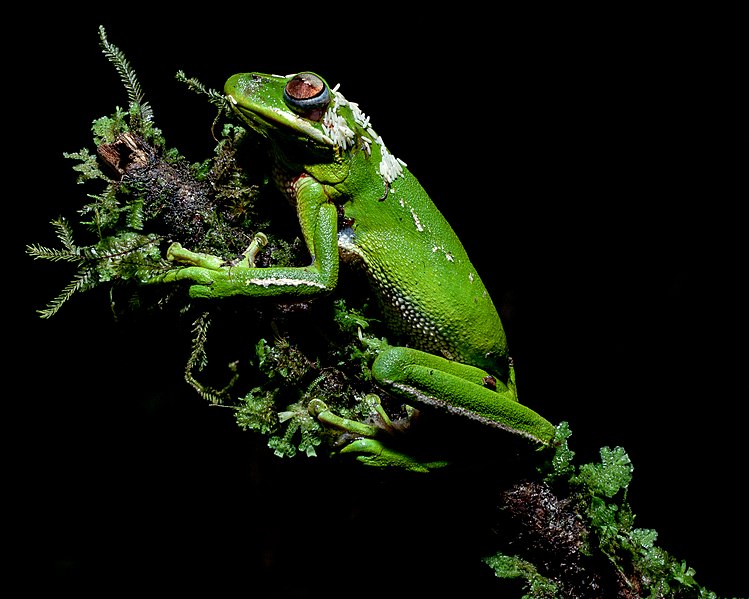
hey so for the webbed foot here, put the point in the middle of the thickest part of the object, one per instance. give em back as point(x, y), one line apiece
point(365, 447)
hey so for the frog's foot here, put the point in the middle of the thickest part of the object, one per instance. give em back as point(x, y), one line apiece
point(247, 258)
point(211, 276)
point(202, 270)
point(176, 253)
point(359, 438)
point(372, 452)
point(319, 409)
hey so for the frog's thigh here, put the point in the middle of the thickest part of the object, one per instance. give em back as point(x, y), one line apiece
point(404, 364)
point(429, 380)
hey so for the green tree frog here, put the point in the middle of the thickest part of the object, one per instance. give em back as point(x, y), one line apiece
point(356, 201)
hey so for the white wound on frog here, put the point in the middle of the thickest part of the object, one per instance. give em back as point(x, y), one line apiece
point(283, 282)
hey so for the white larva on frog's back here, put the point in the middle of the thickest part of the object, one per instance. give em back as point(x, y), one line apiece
point(390, 167)
point(337, 131)
point(335, 127)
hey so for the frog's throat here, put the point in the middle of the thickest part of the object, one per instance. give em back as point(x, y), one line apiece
point(267, 118)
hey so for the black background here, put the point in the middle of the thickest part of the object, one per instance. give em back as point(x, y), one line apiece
point(594, 167)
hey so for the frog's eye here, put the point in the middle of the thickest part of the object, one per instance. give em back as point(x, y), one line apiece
point(307, 95)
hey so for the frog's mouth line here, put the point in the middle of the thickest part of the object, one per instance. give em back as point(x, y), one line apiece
point(264, 119)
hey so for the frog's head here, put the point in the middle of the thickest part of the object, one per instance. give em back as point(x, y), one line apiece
point(290, 110)
point(310, 122)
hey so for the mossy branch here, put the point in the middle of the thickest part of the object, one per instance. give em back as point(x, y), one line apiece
point(566, 531)
point(571, 535)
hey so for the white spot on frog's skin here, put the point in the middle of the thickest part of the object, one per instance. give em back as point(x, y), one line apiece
point(283, 282)
point(416, 220)
point(448, 255)
point(470, 277)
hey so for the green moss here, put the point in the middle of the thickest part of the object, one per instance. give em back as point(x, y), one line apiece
point(606, 479)
point(537, 586)
point(595, 496)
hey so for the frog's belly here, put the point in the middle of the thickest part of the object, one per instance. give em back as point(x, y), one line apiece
point(434, 303)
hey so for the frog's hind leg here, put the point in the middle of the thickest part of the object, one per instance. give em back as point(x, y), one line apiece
point(427, 380)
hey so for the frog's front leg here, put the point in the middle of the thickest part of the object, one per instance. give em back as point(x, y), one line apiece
point(212, 277)
point(427, 380)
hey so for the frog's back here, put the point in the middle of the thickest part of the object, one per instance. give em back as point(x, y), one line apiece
point(430, 291)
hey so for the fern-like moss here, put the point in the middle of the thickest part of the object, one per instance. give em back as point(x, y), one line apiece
point(135, 94)
point(213, 96)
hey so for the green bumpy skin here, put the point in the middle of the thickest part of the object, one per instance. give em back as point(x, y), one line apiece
point(355, 201)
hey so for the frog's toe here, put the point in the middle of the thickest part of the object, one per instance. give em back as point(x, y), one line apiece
point(371, 452)
point(201, 290)
point(365, 447)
